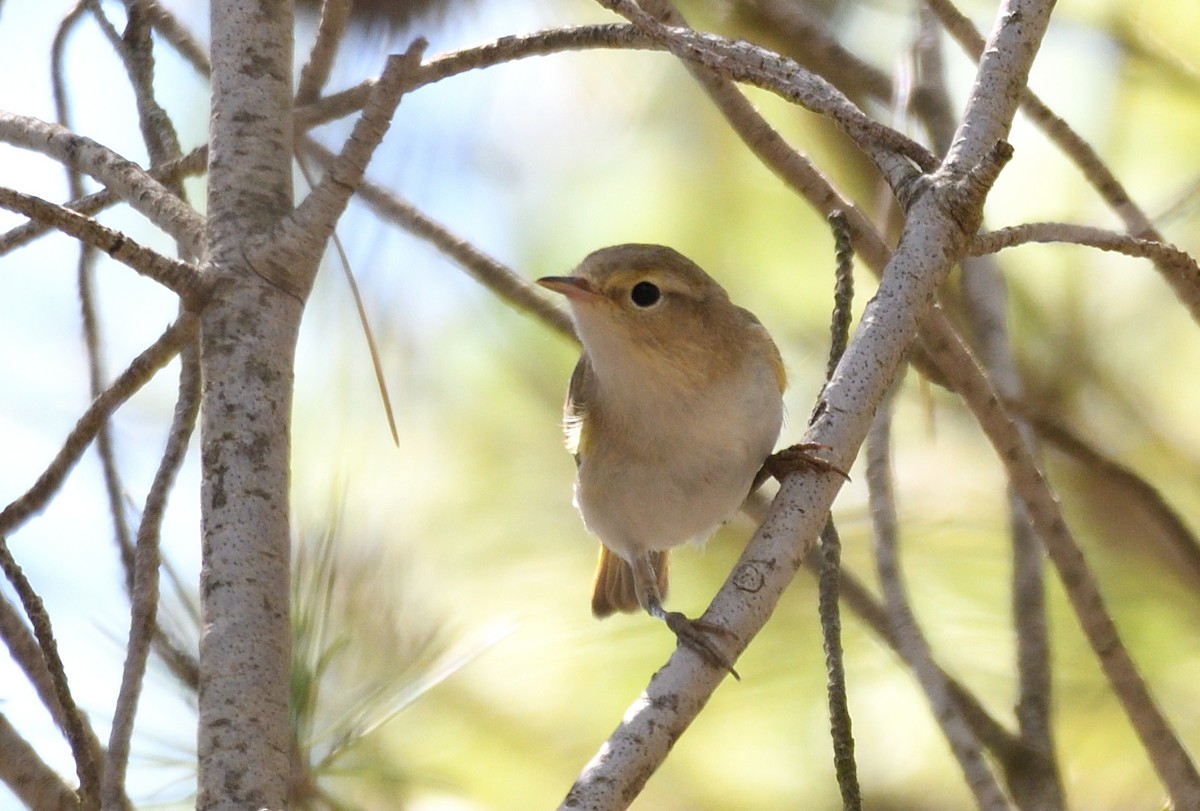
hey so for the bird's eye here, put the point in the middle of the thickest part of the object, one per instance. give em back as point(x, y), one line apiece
point(645, 294)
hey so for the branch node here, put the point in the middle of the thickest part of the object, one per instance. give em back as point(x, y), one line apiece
point(965, 192)
point(910, 188)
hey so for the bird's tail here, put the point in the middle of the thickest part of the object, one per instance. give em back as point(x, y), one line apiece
point(613, 588)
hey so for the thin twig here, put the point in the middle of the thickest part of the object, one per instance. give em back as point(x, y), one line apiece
point(181, 278)
point(503, 50)
point(87, 768)
point(504, 282)
point(315, 72)
point(136, 375)
point(33, 782)
point(1162, 254)
point(85, 269)
point(309, 227)
point(190, 164)
point(24, 651)
point(85, 283)
point(840, 723)
point(874, 615)
point(843, 292)
point(58, 86)
point(910, 641)
point(829, 578)
point(145, 595)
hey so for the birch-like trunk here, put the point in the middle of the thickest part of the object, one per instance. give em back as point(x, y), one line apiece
point(248, 339)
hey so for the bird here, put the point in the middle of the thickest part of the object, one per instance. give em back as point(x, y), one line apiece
point(671, 413)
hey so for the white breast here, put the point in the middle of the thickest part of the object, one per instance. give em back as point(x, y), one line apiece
point(679, 464)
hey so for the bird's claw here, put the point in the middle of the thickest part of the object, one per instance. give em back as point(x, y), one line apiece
point(801, 457)
point(696, 635)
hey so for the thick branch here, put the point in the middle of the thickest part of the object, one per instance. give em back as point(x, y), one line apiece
point(248, 341)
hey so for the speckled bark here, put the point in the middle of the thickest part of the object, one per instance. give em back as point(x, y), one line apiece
point(248, 338)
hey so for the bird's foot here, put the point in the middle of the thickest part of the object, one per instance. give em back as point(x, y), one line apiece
point(697, 635)
point(797, 458)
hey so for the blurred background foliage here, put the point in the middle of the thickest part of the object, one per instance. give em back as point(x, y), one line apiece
point(446, 588)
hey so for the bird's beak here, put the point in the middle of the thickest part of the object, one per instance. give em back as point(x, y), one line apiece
point(573, 287)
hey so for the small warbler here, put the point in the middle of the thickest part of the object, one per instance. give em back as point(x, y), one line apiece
point(672, 413)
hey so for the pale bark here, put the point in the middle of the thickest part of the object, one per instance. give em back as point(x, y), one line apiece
point(248, 339)
point(942, 219)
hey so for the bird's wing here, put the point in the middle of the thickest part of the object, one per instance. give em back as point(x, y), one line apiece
point(575, 408)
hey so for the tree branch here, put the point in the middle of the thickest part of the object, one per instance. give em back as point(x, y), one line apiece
point(190, 164)
point(910, 642)
point(1032, 771)
point(505, 49)
point(168, 26)
point(144, 598)
point(130, 182)
point(1169, 758)
point(1182, 543)
point(937, 233)
point(87, 767)
point(315, 73)
point(504, 282)
point(136, 50)
point(746, 62)
point(1186, 286)
point(28, 777)
point(248, 337)
point(309, 227)
point(136, 375)
point(25, 652)
point(1163, 254)
point(179, 277)
point(85, 288)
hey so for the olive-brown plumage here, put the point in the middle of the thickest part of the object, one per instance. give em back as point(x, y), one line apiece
point(673, 408)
